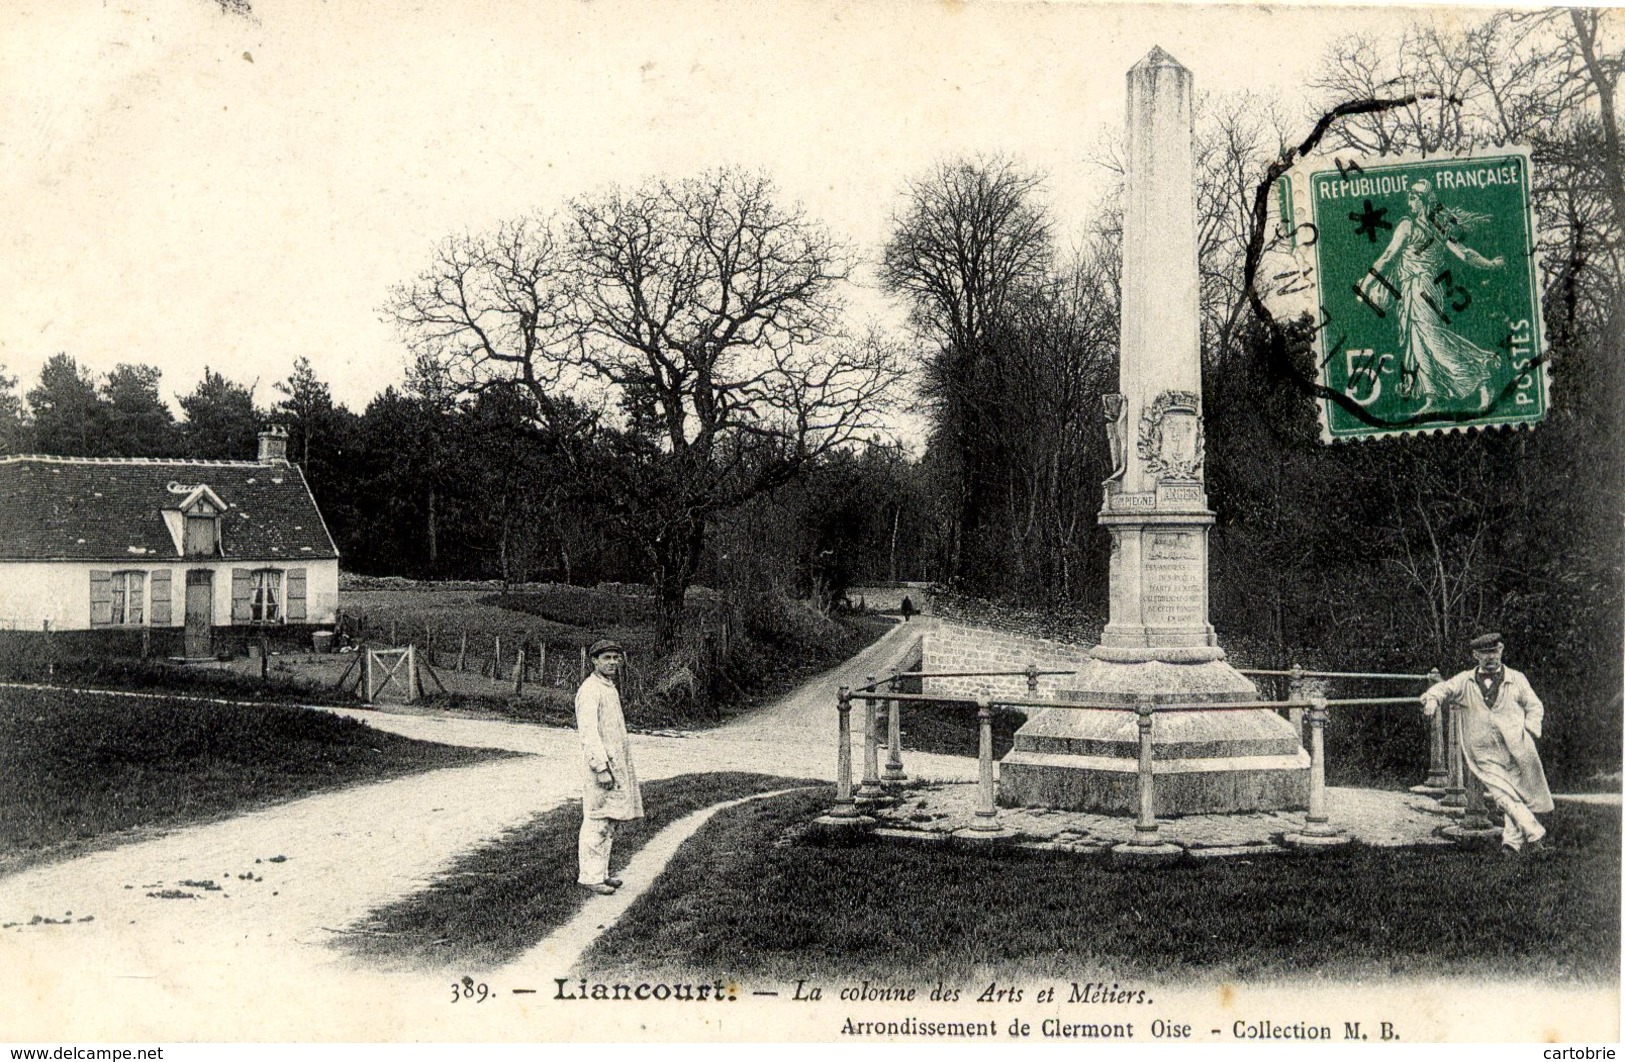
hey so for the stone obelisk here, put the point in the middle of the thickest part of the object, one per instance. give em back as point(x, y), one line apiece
point(1158, 646)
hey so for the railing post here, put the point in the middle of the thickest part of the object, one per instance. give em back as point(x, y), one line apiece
point(1454, 800)
point(987, 812)
point(844, 807)
point(871, 745)
point(1317, 830)
point(894, 736)
point(1294, 692)
point(1438, 775)
point(1145, 823)
point(1147, 844)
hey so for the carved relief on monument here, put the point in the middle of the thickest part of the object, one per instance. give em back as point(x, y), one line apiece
point(1116, 408)
point(1170, 440)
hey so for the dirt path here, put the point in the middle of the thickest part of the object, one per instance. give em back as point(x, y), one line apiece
point(176, 937)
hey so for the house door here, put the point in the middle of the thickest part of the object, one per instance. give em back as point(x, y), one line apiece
point(199, 612)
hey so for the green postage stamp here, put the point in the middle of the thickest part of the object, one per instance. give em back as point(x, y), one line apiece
point(1421, 276)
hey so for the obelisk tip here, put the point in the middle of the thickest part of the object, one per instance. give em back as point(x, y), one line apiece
point(1157, 57)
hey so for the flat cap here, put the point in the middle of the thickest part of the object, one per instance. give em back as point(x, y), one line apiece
point(1486, 641)
point(602, 646)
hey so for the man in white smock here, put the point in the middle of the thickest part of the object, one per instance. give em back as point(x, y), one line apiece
point(1500, 719)
point(609, 789)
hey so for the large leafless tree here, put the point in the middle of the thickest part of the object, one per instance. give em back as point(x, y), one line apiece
point(700, 318)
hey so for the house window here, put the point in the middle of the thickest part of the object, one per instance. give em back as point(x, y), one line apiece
point(128, 595)
point(266, 604)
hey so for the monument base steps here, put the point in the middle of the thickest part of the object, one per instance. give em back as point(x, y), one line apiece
point(1204, 762)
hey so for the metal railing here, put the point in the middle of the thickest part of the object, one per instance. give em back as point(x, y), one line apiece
point(1460, 795)
point(1438, 778)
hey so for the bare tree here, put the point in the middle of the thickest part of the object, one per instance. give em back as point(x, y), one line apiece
point(1546, 79)
point(1237, 136)
point(715, 315)
point(969, 242)
point(493, 308)
point(698, 317)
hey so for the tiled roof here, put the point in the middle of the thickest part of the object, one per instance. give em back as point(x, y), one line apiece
point(80, 508)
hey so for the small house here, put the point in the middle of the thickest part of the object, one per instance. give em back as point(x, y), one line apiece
point(196, 557)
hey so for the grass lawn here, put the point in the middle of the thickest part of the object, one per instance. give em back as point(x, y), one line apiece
point(507, 896)
point(740, 900)
point(77, 770)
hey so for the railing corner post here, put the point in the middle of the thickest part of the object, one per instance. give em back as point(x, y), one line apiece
point(844, 807)
point(1454, 800)
point(1438, 776)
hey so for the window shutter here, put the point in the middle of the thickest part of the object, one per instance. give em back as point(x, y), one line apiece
point(135, 589)
point(242, 595)
point(161, 598)
point(101, 598)
point(296, 595)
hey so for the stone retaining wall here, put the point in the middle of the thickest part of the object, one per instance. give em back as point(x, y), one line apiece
point(1050, 624)
point(956, 646)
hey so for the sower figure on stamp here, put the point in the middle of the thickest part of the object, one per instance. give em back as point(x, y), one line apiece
point(1500, 719)
point(609, 791)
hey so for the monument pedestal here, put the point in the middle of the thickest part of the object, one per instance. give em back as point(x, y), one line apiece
point(1204, 762)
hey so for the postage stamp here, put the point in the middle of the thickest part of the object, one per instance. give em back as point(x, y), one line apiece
point(1422, 279)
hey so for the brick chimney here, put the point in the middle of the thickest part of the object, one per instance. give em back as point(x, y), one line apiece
point(274, 445)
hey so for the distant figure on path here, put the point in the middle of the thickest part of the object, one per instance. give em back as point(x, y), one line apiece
point(1500, 718)
point(907, 609)
point(609, 790)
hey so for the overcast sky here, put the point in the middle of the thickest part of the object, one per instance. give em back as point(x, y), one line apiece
point(184, 187)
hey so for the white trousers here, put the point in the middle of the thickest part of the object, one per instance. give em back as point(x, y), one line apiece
point(592, 851)
point(1520, 824)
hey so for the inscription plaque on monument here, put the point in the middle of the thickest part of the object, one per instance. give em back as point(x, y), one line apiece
point(1185, 493)
point(1138, 501)
point(1172, 586)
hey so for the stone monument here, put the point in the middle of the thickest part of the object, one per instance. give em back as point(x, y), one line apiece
point(1158, 646)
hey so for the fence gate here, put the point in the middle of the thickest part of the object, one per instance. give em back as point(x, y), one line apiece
point(394, 670)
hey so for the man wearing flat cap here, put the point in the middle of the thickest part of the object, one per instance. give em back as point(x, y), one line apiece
point(609, 792)
point(1500, 720)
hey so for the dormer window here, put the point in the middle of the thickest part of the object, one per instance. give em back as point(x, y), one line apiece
point(202, 535)
point(200, 530)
